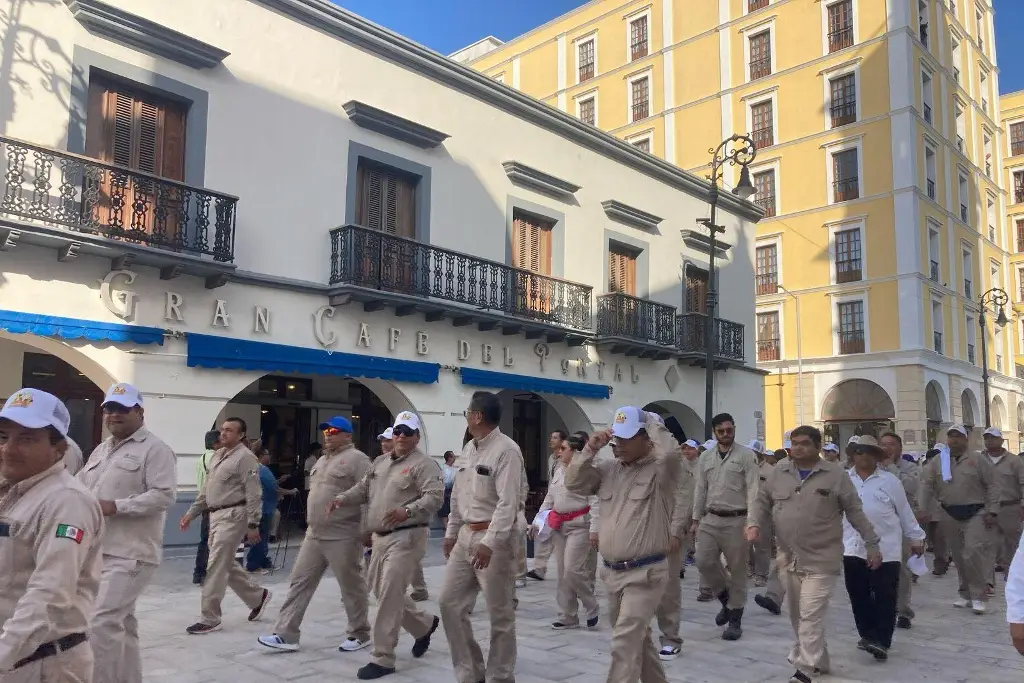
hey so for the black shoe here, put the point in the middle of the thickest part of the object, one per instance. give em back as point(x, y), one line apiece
point(799, 677)
point(257, 611)
point(534, 575)
point(201, 629)
point(903, 622)
point(768, 604)
point(682, 573)
point(592, 622)
point(877, 651)
point(420, 647)
point(862, 644)
point(735, 629)
point(939, 569)
point(723, 614)
point(198, 579)
point(371, 671)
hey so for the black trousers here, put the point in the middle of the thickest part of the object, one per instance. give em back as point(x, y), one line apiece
point(203, 551)
point(873, 596)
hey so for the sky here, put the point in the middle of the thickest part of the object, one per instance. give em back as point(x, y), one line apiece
point(449, 25)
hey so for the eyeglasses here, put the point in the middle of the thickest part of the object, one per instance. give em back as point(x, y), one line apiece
point(403, 430)
point(332, 431)
point(116, 409)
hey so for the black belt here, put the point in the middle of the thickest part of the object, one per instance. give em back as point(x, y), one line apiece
point(54, 647)
point(728, 513)
point(399, 528)
point(226, 507)
point(634, 564)
point(1008, 503)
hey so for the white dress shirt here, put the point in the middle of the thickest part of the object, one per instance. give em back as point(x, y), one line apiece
point(1015, 588)
point(885, 503)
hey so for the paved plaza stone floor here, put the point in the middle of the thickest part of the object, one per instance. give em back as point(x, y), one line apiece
point(946, 645)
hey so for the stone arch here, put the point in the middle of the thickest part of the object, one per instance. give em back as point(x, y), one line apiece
point(688, 418)
point(935, 402)
point(74, 357)
point(857, 400)
point(998, 410)
point(968, 408)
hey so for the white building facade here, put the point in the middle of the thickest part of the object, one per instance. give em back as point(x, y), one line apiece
point(277, 210)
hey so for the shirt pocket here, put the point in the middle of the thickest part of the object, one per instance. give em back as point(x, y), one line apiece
point(782, 501)
point(822, 502)
point(123, 477)
point(13, 550)
point(641, 488)
point(734, 476)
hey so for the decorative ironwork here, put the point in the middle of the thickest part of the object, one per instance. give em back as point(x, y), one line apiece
point(846, 189)
point(767, 349)
point(377, 260)
point(851, 341)
point(843, 114)
point(89, 196)
point(840, 38)
point(931, 189)
point(691, 336)
point(630, 317)
point(753, 5)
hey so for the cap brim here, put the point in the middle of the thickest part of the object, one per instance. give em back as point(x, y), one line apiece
point(623, 431)
point(956, 431)
point(119, 401)
point(19, 418)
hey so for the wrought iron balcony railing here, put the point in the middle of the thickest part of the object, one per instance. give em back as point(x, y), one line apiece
point(767, 349)
point(937, 341)
point(760, 68)
point(839, 38)
point(766, 283)
point(843, 114)
point(753, 5)
point(851, 341)
point(767, 205)
point(88, 196)
point(846, 189)
point(691, 333)
point(641, 110)
point(1017, 147)
point(377, 260)
point(763, 137)
point(630, 317)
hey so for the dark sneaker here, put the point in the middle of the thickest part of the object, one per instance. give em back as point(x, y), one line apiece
point(198, 579)
point(201, 629)
point(862, 644)
point(534, 575)
point(682, 573)
point(592, 622)
point(257, 611)
point(903, 622)
point(799, 677)
point(877, 651)
point(371, 671)
point(669, 652)
point(420, 647)
point(768, 604)
point(562, 626)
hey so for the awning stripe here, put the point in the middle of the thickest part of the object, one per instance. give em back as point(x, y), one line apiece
point(17, 322)
point(540, 385)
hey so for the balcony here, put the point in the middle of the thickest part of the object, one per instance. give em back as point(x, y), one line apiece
point(937, 341)
point(931, 189)
point(635, 326)
point(638, 50)
point(586, 71)
point(851, 341)
point(767, 205)
point(78, 203)
point(928, 113)
point(766, 283)
point(970, 354)
point(380, 269)
point(963, 213)
point(967, 288)
point(767, 350)
point(1017, 147)
point(691, 329)
point(846, 189)
point(843, 114)
point(840, 38)
point(763, 137)
point(759, 68)
point(848, 270)
point(753, 5)
point(933, 274)
point(641, 110)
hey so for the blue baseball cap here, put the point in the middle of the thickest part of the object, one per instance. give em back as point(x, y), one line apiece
point(337, 422)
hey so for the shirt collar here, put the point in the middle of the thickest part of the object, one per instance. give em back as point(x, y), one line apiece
point(484, 442)
point(399, 458)
point(26, 485)
point(139, 435)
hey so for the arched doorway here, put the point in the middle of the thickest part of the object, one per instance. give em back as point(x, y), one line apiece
point(934, 402)
point(854, 407)
point(998, 411)
point(691, 423)
point(968, 409)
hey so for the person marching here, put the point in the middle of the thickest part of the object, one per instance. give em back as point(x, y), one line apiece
point(50, 552)
point(478, 545)
point(1010, 477)
point(909, 475)
point(331, 540)
point(134, 475)
point(669, 610)
point(402, 491)
point(202, 467)
point(233, 496)
point(542, 548)
point(638, 491)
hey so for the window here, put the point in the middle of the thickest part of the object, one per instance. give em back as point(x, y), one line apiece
point(642, 144)
point(840, 25)
point(983, 88)
point(987, 149)
point(922, 18)
point(1017, 138)
point(971, 337)
point(937, 325)
point(845, 180)
point(385, 199)
point(764, 183)
point(761, 118)
point(964, 198)
point(1018, 187)
point(851, 327)
point(1019, 223)
point(968, 270)
point(933, 254)
point(621, 269)
point(991, 212)
point(768, 336)
point(979, 21)
point(929, 172)
point(638, 47)
point(958, 113)
point(754, 5)
point(843, 96)
point(766, 279)
point(760, 55)
point(848, 255)
point(587, 110)
point(585, 70)
point(926, 96)
point(640, 93)
point(531, 243)
point(696, 289)
point(956, 59)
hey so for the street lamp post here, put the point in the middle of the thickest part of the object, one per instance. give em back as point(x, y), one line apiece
point(997, 298)
point(738, 149)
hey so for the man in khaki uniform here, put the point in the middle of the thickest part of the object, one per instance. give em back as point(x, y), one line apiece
point(638, 491)
point(479, 545)
point(234, 498)
point(542, 549)
point(403, 490)
point(909, 475)
point(966, 485)
point(725, 490)
point(761, 552)
point(73, 457)
point(806, 498)
point(418, 585)
point(50, 563)
point(134, 475)
point(1009, 470)
point(332, 540)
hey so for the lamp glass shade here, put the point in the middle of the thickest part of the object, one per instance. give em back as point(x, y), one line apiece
point(745, 189)
point(1001, 319)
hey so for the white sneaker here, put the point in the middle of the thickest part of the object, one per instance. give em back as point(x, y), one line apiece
point(978, 607)
point(668, 652)
point(353, 644)
point(520, 583)
point(961, 602)
point(276, 643)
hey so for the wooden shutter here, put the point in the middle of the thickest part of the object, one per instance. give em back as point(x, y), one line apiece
point(531, 244)
point(621, 270)
point(696, 290)
point(385, 200)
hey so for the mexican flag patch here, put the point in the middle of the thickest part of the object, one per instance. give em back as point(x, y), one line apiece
point(72, 532)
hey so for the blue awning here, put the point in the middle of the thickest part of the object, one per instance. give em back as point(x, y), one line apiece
point(207, 351)
point(539, 385)
point(74, 328)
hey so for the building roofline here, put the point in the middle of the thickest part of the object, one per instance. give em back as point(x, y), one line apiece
point(351, 28)
point(491, 37)
point(549, 23)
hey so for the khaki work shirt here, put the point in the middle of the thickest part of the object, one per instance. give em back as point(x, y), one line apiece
point(909, 475)
point(334, 473)
point(561, 499)
point(412, 481)
point(489, 484)
point(1009, 477)
point(140, 474)
point(974, 481)
point(638, 501)
point(808, 515)
point(683, 513)
point(726, 482)
point(73, 458)
point(234, 477)
point(51, 530)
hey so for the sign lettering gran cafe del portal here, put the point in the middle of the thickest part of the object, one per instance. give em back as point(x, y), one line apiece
point(118, 298)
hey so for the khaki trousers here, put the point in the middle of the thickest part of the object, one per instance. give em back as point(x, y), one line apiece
point(717, 536)
point(808, 604)
point(461, 585)
point(519, 531)
point(670, 607)
point(114, 631)
point(937, 538)
point(969, 543)
point(417, 582)
point(344, 557)
point(775, 589)
point(572, 551)
point(227, 530)
point(541, 554)
point(71, 666)
point(761, 552)
point(395, 559)
point(633, 597)
point(1006, 538)
point(906, 585)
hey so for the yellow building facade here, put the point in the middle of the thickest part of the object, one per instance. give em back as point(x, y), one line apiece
point(1011, 109)
point(879, 153)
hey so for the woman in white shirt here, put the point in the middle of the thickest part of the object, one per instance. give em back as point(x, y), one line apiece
point(874, 593)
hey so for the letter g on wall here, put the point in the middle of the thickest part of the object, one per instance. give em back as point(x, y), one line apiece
point(120, 302)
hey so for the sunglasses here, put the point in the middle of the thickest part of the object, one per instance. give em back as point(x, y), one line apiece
point(116, 409)
point(332, 431)
point(403, 430)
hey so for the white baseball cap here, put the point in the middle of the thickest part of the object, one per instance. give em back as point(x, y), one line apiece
point(628, 421)
point(709, 444)
point(993, 431)
point(35, 409)
point(410, 420)
point(830, 447)
point(691, 443)
point(386, 435)
point(853, 439)
point(755, 446)
point(656, 417)
point(959, 428)
point(125, 394)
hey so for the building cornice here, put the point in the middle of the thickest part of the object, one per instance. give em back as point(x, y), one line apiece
point(630, 215)
point(521, 174)
point(392, 125)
